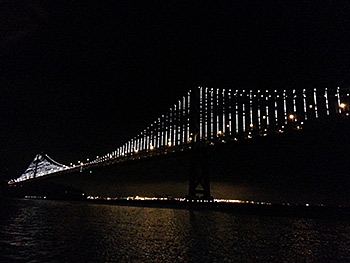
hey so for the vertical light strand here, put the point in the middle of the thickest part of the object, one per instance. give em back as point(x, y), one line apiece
point(175, 127)
point(141, 142)
point(188, 114)
point(327, 103)
point(183, 120)
point(276, 108)
point(212, 114)
point(285, 107)
point(148, 139)
point(251, 109)
point(206, 113)
point(229, 111)
point(267, 110)
point(304, 101)
point(163, 131)
point(155, 142)
point(155, 135)
point(179, 111)
point(158, 133)
point(217, 112)
point(151, 145)
point(166, 128)
point(223, 112)
point(259, 111)
point(200, 113)
point(151, 138)
point(178, 114)
point(338, 96)
point(315, 102)
point(243, 116)
point(170, 139)
point(294, 102)
point(237, 127)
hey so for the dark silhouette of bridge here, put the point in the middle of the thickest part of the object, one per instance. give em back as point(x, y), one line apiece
point(206, 117)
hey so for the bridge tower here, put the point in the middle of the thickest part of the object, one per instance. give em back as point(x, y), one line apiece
point(199, 175)
point(36, 162)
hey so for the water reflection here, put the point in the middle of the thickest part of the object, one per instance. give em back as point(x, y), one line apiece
point(48, 231)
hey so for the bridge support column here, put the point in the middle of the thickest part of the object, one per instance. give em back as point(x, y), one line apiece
point(199, 178)
point(199, 175)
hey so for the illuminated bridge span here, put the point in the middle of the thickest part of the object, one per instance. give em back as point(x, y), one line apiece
point(206, 116)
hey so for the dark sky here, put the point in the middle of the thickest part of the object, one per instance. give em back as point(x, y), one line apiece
point(78, 78)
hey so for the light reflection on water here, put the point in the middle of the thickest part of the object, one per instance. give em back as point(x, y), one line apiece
point(48, 231)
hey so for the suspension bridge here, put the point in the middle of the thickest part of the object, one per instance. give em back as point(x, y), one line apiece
point(205, 117)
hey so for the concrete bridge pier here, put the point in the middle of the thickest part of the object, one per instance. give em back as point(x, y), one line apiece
point(199, 175)
point(199, 171)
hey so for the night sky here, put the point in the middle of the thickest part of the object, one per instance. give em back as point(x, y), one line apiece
point(79, 78)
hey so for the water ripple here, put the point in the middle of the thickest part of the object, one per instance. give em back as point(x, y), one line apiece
point(48, 231)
